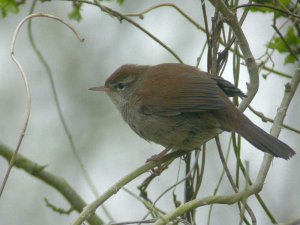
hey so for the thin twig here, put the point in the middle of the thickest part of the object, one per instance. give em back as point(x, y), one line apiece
point(149, 205)
point(90, 209)
point(120, 16)
point(26, 84)
point(176, 184)
point(207, 32)
point(66, 129)
point(218, 183)
point(249, 181)
point(201, 175)
point(231, 181)
point(268, 7)
point(141, 14)
point(133, 222)
point(252, 67)
point(267, 119)
point(285, 42)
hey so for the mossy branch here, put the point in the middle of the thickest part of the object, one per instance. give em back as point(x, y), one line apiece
point(58, 183)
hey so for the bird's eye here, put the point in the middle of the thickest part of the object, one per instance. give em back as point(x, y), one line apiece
point(120, 86)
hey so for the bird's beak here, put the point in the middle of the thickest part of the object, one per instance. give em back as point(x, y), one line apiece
point(100, 88)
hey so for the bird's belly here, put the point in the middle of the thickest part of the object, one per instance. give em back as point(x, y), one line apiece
point(184, 132)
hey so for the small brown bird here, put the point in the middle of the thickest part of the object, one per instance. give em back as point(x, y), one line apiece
point(181, 107)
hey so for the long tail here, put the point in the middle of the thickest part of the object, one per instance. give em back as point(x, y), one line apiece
point(261, 139)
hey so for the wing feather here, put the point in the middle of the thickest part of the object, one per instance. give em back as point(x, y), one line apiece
point(180, 92)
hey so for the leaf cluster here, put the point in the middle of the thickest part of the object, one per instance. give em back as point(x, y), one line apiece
point(291, 45)
point(289, 42)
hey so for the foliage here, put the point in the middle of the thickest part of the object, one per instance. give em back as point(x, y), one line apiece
point(121, 2)
point(10, 6)
point(284, 3)
point(75, 14)
point(290, 43)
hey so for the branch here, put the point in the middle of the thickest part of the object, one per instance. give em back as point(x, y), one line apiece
point(252, 67)
point(58, 183)
point(231, 181)
point(91, 208)
point(267, 119)
point(121, 17)
point(287, 13)
point(171, 5)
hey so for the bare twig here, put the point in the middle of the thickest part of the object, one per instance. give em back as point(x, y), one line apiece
point(249, 181)
point(57, 209)
point(121, 17)
point(66, 129)
point(252, 67)
point(268, 7)
point(231, 181)
point(171, 5)
point(149, 205)
point(134, 222)
point(285, 42)
point(26, 83)
point(267, 119)
point(218, 183)
point(90, 209)
point(201, 174)
point(188, 175)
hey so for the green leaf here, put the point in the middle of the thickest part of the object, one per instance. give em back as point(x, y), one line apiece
point(9, 6)
point(271, 2)
point(291, 39)
point(12, 7)
point(121, 2)
point(75, 14)
point(278, 14)
point(285, 2)
point(289, 59)
point(263, 1)
point(278, 44)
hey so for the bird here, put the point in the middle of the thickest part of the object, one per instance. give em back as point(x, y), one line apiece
point(181, 107)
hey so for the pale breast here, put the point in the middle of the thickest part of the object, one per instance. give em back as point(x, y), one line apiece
point(185, 131)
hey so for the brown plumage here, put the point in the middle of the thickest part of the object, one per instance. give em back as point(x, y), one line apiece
point(178, 105)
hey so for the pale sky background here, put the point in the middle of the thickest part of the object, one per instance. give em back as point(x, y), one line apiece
point(107, 146)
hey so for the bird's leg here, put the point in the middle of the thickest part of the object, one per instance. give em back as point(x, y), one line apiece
point(159, 156)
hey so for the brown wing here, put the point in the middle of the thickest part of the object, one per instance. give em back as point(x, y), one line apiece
point(180, 92)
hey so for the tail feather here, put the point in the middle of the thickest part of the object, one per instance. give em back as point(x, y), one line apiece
point(261, 139)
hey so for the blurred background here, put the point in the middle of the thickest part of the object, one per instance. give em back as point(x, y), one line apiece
point(107, 146)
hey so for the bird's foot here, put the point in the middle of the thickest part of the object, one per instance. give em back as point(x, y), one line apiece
point(158, 157)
